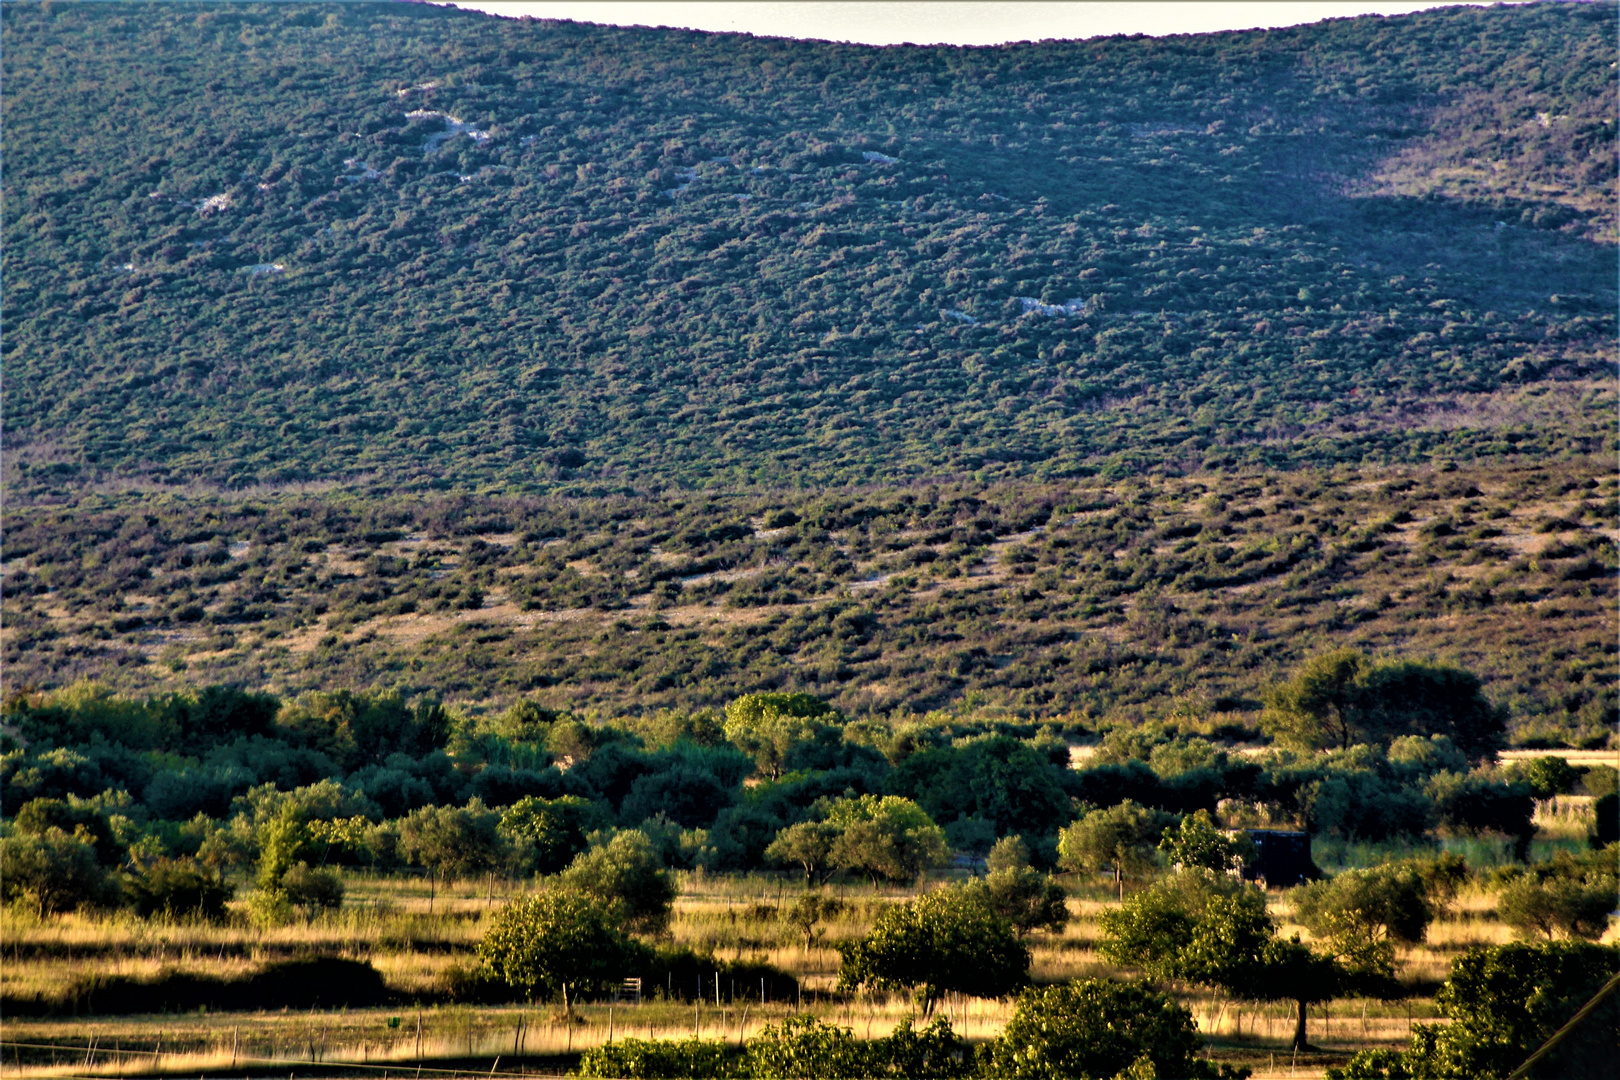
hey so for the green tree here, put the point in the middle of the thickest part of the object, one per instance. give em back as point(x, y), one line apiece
point(770, 726)
point(1025, 897)
point(558, 942)
point(1577, 907)
point(1197, 843)
point(627, 876)
point(1340, 698)
point(886, 838)
point(1504, 1003)
point(53, 872)
point(1361, 915)
point(1122, 838)
point(178, 888)
point(1008, 853)
point(1317, 707)
point(946, 940)
point(284, 841)
point(452, 841)
point(1099, 1029)
point(809, 911)
point(1208, 928)
point(810, 844)
point(548, 833)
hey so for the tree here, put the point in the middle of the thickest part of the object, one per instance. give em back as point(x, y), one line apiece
point(770, 726)
point(810, 910)
point(452, 841)
point(75, 819)
point(1121, 837)
point(52, 871)
point(810, 844)
point(997, 779)
point(1317, 707)
point(178, 888)
point(1568, 895)
point(1362, 915)
point(1026, 898)
point(558, 942)
point(1209, 928)
point(1008, 853)
point(550, 832)
point(1023, 896)
point(946, 940)
point(627, 876)
point(1504, 1003)
point(1341, 698)
point(1197, 843)
point(887, 838)
point(1099, 1029)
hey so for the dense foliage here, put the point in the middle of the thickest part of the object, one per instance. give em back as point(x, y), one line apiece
point(1504, 1003)
point(403, 245)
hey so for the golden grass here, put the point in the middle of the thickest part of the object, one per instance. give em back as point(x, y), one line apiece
point(389, 923)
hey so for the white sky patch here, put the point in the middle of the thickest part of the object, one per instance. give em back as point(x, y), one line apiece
point(936, 22)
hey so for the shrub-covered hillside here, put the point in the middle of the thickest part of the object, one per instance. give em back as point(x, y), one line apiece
point(1110, 601)
point(282, 243)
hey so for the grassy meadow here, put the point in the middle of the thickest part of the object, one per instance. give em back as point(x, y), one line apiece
point(413, 934)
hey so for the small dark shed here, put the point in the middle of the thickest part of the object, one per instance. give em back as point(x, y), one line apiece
point(1282, 859)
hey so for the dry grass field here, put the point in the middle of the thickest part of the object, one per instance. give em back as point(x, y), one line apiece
point(412, 939)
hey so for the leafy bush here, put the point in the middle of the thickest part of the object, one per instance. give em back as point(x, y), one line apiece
point(1504, 1003)
point(1099, 1029)
point(658, 1059)
point(179, 888)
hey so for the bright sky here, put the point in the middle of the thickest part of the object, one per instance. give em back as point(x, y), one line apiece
point(944, 22)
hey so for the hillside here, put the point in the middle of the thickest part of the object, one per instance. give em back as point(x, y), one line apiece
point(405, 248)
point(1097, 603)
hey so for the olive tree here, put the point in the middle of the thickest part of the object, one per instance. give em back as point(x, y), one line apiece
point(888, 838)
point(1504, 1004)
point(1208, 928)
point(627, 876)
point(1026, 898)
point(946, 940)
point(52, 872)
point(770, 726)
point(1122, 838)
point(1361, 915)
point(559, 942)
point(810, 844)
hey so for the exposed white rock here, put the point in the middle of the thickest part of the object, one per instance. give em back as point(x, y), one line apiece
point(366, 171)
point(1033, 306)
point(881, 159)
point(264, 268)
point(215, 203)
point(959, 316)
point(452, 128)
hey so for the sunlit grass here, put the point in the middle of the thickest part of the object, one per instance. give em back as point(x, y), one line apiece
point(388, 923)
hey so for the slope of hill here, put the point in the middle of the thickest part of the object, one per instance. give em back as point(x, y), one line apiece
point(1095, 601)
point(415, 248)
